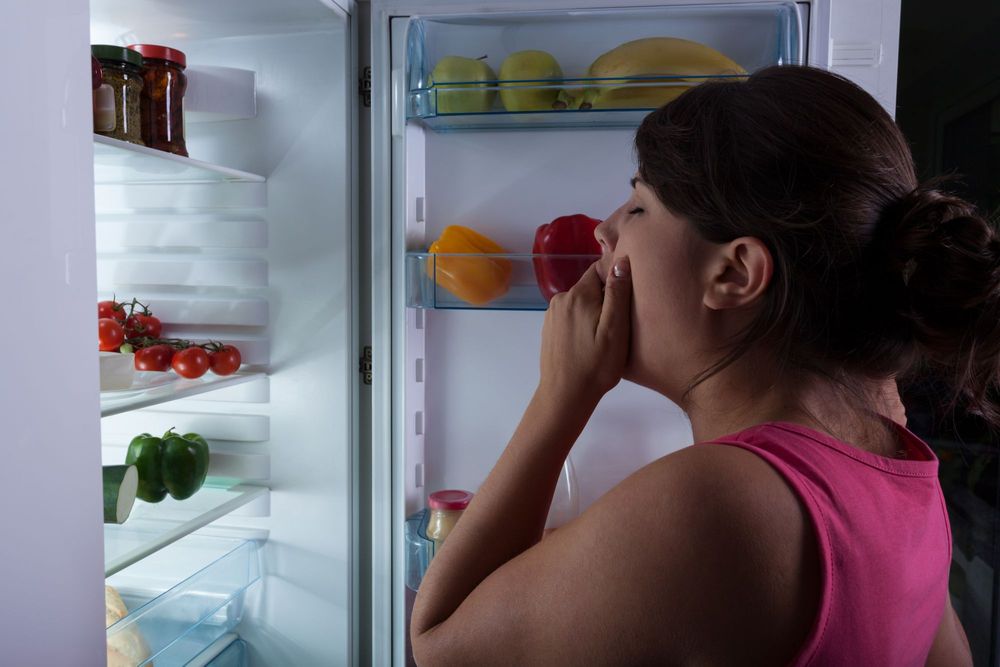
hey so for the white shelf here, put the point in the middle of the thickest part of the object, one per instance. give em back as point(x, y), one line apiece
point(123, 162)
point(170, 387)
point(152, 526)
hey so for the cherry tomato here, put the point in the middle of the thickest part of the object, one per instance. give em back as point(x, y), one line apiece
point(225, 361)
point(191, 362)
point(110, 334)
point(154, 358)
point(143, 325)
point(111, 309)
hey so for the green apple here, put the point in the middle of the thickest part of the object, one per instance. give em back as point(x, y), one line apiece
point(477, 99)
point(531, 66)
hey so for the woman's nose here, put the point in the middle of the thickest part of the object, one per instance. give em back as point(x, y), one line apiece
point(606, 233)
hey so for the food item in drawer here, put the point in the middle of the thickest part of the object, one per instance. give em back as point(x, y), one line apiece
point(467, 96)
point(632, 70)
point(566, 235)
point(120, 486)
point(127, 648)
point(461, 267)
point(532, 69)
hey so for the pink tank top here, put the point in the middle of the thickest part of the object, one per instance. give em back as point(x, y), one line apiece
point(884, 542)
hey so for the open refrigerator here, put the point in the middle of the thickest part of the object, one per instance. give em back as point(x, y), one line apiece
point(322, 165)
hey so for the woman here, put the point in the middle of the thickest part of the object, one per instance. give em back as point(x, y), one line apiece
point(774, 269)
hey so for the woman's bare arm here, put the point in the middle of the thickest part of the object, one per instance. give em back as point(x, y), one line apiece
point(951, 646)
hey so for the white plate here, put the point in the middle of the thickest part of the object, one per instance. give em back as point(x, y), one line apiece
point(143, 381)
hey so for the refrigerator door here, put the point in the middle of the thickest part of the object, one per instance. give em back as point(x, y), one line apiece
point(268, 264)
point(449, 385)
point(52, 551)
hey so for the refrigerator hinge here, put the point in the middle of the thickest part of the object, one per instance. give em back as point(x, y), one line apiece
point(365, 87)
point(365, 365)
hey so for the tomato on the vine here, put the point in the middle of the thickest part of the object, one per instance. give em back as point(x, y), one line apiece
point(110, 334)
point(225, 361)
point(154, 358)
point(111, 309)
point(143, 325)
point(191, 362)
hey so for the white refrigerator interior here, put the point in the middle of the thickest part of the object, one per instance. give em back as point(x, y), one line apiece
point(462, 375)
point(250, 241)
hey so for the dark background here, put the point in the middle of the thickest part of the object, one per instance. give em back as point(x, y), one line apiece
point(948, 105)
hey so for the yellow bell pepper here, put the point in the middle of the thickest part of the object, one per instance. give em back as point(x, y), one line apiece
point(476, 279)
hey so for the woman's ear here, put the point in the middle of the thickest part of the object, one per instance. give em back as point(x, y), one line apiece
point(738, 273)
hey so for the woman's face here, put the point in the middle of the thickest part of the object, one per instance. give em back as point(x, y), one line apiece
point(670, 324)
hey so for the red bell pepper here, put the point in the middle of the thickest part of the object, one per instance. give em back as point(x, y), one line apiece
point(567, 235)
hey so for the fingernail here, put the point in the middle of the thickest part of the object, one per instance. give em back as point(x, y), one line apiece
point(621, 268)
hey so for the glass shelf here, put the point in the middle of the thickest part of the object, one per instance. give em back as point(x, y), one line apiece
point(724, 42)
point(152, 526)
point(123, 162)
point(489, 281)
point(151, 388)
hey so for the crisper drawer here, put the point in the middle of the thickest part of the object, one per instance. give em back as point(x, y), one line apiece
point(181, 599)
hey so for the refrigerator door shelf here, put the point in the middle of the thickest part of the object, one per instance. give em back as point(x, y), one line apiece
point(119, 162)
point(430, 276)
point(424, 102)
point(751, 35)
point(185, 597)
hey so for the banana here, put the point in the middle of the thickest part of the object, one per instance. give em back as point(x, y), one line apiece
point(640, 61)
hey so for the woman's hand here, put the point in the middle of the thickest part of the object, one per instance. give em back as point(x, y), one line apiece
point(585, 339)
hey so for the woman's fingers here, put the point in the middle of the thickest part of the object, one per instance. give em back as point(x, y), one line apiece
point(615, 312)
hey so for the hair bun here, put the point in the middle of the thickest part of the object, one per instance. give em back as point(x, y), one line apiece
point(946, 259)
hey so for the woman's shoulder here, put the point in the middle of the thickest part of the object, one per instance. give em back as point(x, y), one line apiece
point(745, 539)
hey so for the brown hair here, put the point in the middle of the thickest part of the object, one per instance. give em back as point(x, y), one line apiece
point(875, 274)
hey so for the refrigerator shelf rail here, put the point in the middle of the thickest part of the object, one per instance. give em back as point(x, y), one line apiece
point(154, 526)
point(120, 162)
point(513, 281)
point(459, 75)
point(184, 598)
point(152, 388)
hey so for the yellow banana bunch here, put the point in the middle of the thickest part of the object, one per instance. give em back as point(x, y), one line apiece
point(649, 58)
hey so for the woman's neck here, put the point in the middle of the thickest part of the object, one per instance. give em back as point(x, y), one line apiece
point(745, 394)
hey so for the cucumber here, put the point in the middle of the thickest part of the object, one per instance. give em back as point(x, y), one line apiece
point(120, 486)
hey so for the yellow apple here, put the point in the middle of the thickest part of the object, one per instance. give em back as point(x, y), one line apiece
point(464, 97)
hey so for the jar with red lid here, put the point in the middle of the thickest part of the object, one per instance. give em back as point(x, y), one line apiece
point(163, 97)
point(446, 509)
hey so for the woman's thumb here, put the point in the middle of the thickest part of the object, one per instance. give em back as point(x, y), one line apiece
point(615, 312)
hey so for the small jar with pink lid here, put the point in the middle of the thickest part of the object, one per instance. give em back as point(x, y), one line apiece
point(446, 508)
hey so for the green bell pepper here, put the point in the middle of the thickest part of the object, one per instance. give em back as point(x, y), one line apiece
point(175, 464)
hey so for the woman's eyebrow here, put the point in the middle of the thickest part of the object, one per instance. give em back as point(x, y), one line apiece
point(632, 181)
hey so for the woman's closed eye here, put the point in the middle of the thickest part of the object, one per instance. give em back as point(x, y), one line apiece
point(636, 210)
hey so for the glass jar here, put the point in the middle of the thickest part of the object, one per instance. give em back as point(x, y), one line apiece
point(163, 97)
point(446, 509)
point(121, 68)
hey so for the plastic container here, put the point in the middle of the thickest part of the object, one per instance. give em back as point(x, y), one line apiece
point(446, 509)
point(184, 597)
point(419, 549)
point(117, 370)
point(121, 68)
point(423, 288)
point(468, 91)
point(163, 97)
